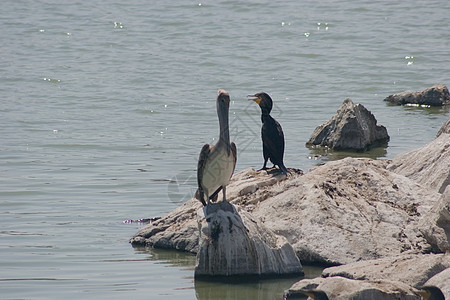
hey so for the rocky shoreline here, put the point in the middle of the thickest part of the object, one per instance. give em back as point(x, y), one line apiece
point(372, 209)
point(383, 224)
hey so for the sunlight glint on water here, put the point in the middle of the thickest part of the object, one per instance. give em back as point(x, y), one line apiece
point(105, 107)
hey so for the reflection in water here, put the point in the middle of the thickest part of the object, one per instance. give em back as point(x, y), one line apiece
point(171, 257)
point(257, 289)
point(237, 289)
point(324, 154)
point(261, 289)
point(428, 110)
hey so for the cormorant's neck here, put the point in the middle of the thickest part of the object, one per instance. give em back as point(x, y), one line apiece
point(265, 114)
point(222, 112)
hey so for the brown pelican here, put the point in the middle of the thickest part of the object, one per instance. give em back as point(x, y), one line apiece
point(271, 133)
point(216, 163)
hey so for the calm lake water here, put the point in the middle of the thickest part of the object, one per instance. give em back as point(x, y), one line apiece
point(105, 106)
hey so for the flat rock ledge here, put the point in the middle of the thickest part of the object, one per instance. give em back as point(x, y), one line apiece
point(233, 243)
point(341, 288)
point(398, 277)
point(352, 128)
point(437, 95)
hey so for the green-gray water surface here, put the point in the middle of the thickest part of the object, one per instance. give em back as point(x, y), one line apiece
point(105, 106)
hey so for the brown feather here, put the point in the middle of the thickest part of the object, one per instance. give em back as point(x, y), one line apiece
point(200, 167)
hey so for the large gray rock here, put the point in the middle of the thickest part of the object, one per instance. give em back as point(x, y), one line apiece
point(349, 210)
point(340, 288)
point(353, 127)
point(437, 95)
point(428, 165)
point(337, 213)
point(233, 242)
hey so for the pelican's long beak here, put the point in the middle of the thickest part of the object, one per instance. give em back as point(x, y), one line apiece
point(257, 99)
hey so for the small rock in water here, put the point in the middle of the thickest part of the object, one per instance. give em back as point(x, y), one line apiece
point(437, 95)
point(353, 127)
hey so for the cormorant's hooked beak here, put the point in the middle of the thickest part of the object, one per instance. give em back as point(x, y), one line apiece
point(257, 99)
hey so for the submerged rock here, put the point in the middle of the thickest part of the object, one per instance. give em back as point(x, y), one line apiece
point(353, 127)
point(232, 242)
point(437, 95)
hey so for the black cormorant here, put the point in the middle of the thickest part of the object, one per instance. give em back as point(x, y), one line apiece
point(271, 133)
point(216, 163)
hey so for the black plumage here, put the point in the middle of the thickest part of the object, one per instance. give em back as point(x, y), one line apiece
point(271, 133)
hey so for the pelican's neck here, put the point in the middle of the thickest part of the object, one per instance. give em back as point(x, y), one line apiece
point(222, 112)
